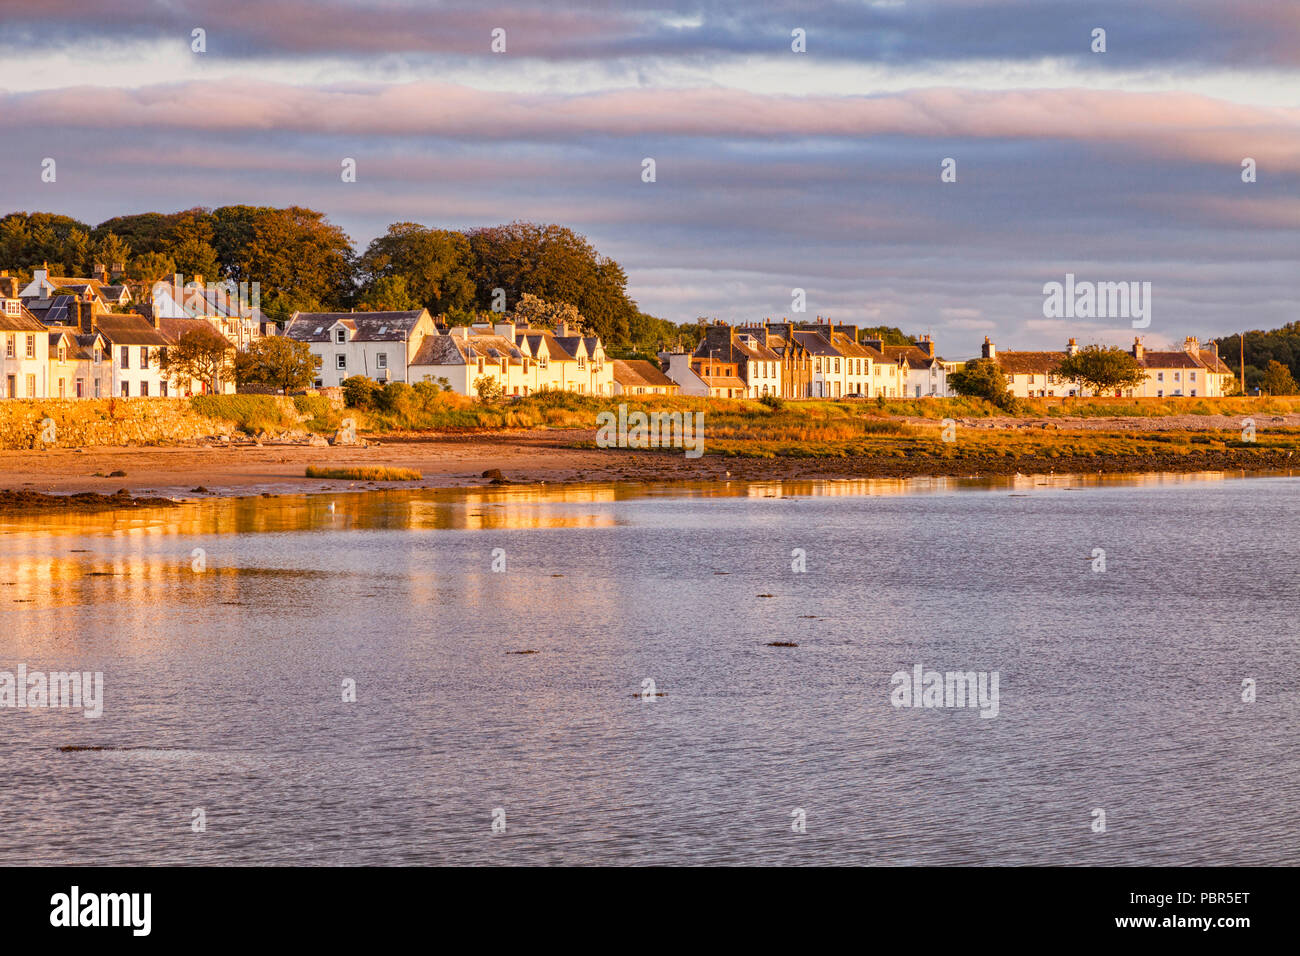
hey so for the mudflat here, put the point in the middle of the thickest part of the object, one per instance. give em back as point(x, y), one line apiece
point(109, 476)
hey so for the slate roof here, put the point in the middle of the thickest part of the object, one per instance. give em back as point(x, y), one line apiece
point(128, 330)
point(639, 373)
point(25, 322)
point(367, 326)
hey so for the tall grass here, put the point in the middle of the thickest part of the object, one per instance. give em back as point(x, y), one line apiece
point(364, 473)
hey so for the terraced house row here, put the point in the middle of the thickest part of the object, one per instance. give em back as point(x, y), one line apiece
point(73, 337)
point(1191, 371)
point(410, 347)
point(814, 360)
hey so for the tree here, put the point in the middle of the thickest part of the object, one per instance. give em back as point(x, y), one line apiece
point(1102, 369)
point(194, 257)
point(487, 388)
point(1278, 380)
point(433, 264)
point(983, 378)
point(387, 294)
point(204, 354)
point(277, 361)
point(111, 250)
point(150, 268)
point(540, 314)
point(555, 264)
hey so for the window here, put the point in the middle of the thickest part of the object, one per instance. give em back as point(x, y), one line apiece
point(126, 358)
point(340, 336)
point(31, 386)
point(1178, 376)
point(1160, 377)
point(14, 307)
point(144, 356)
point(31, 346)
point(126, 388)
point(381, 360)
point(1192, 377)
point(480, 365)
point(817, 366)
point(144, 389)
point(837, 368)
point(162, 389)
point(63, 353)
point(63, 392)
point(97, 388)
point(9, 345)
point(81, 388)
point(340, 361)
point(99, 355)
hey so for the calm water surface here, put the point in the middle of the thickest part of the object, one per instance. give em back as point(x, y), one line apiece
point(1118, 690)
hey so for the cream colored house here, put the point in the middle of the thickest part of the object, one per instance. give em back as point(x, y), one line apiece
point(521, 360)
point(24, 353)
point(1190, 371)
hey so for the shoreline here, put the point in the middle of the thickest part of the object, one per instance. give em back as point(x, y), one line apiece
point(103, 478)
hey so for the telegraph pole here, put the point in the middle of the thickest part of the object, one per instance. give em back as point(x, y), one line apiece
point(1242, 367)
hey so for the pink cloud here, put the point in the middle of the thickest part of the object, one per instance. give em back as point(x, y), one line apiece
point(1167, 126)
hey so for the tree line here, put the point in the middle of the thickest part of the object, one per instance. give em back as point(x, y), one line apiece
point(1272, 358)
point(302, 261)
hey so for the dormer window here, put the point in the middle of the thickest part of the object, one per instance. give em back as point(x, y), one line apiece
point(13, 307)
point(341, 336)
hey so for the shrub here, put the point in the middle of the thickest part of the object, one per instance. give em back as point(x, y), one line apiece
point(361, 392)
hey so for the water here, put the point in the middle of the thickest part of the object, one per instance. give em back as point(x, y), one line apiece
point(1118, 690)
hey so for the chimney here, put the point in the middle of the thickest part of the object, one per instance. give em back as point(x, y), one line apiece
point(1190, 344)
point(506, 329)
point(926, 345)
point(118, 269)
point(988, 350)
point(1072, 347)
point(460, 332)
point(99, 273)
point(562, 328)
point(1214, 347)
point(85, 317)
point(1138, 350)
point(877, 344)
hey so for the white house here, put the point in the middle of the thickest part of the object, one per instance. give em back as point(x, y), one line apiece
point(681, 371)
point(378, 345)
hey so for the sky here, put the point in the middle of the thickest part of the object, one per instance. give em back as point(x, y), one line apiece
point(774, 170)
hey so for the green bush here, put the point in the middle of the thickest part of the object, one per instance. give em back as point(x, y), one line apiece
point(251, 413)
point(361, 392)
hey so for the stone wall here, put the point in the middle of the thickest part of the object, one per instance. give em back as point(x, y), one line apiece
point(81, 423)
